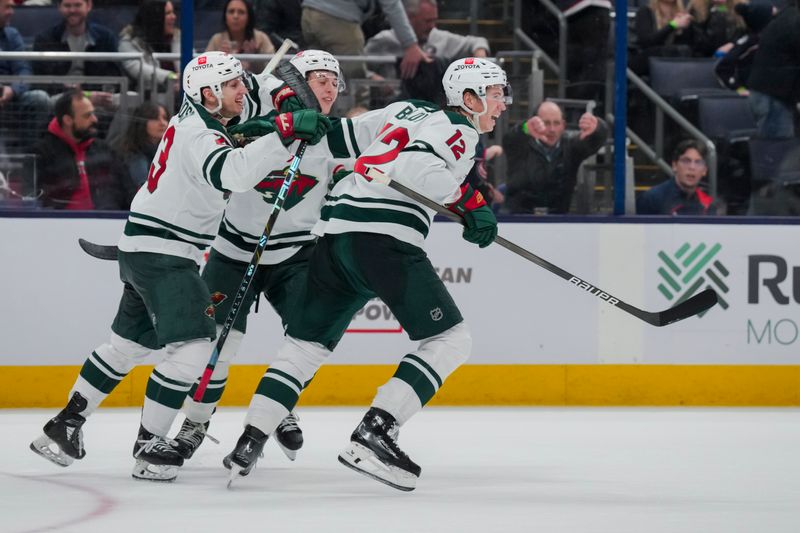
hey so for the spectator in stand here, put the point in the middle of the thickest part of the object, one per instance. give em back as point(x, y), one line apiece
point(478, 177)
point(423, 14)
point(663, 29)
point(280, 18)
point(240, 35)
point(680, 195)
point(733, 68)
point(335, 26)
point(77, 34)
point(543, 159)
point(76, 170)
point(718, 24)
point(152, 31)
point(136, 149)
point(774, 81)
point(25, 109)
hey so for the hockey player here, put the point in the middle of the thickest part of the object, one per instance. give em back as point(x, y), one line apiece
point(165, 305)
point(283, 265)
point(371, 245)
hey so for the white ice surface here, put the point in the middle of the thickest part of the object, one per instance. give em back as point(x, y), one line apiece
point(483, 470)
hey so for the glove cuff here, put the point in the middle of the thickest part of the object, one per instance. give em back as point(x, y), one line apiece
point(281, 95)
point(285, 124)
point(469, 200)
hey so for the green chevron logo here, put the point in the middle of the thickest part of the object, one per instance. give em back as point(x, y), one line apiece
point(691, 269)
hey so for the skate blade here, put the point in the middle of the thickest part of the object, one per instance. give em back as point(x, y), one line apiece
point(363, 461)
point(234, 474)
point(47, 448)
point(150, 472)
point(291, 454)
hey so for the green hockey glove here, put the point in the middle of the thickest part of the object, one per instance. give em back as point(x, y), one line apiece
point(306, 125)
point(284, 100)
point(252, 129)
point(480, 224)
point(339, 173)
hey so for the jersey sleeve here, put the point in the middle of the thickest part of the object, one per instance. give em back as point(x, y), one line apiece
point(259, 98)
point(237, 169)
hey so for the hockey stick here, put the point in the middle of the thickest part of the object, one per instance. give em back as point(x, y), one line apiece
point(689, 307)
point(99, 251)
point(296, 81)
point(110, 252)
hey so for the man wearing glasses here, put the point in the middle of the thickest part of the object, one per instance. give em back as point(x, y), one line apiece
point(681, 195)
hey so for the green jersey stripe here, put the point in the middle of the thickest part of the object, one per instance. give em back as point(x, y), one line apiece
point(279, 392)
point(353, 140)
point(170, 381)
point(417, 380)
point(359, 214)
point(105, 365)
point(138, 230)
point(167, 225)
point(210, 158)
point(336, 140)
point(399, 203)
point(214, 176)
point(422, 146)
point(283, 374)
point(426, 366)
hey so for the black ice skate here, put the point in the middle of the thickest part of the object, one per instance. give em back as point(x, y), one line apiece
point(373, 451)
point(248, 449)
point(156, 458)
point(289, 436)
point(62, 441)
point(190, 437)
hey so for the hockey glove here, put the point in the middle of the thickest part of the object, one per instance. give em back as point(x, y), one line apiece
point(480, 224)
point(252, 129)
point(306, 125)
point(339, 173)
point(285, 100)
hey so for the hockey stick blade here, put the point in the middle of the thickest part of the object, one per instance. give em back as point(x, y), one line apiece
point(690, 307)
point(695, 305)
point(99, 251)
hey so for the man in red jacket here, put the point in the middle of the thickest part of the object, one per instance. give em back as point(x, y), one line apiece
point(76, 170)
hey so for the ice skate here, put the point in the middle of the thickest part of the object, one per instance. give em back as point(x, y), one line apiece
point(289, 436)
point(245, 455)
point(190, 437)
point(156, 458)
point(373, 451)
point(62, 440)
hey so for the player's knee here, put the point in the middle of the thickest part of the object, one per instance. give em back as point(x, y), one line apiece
point(185, 360)
point(448, 350)
point(232, 344)
point(122, 354)
point(300, 359)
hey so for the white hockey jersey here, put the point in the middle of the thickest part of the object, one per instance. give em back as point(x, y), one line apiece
point(178, 210)
point(417, 144)
point(247, 212)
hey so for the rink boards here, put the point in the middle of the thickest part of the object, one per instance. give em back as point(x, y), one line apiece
point(537, 340)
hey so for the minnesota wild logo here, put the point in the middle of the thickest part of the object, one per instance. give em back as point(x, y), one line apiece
point(301, 185)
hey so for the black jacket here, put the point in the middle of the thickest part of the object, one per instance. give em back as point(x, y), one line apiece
point(534, 180)
point(100, 39)
point(776, 66)
point(58, 178)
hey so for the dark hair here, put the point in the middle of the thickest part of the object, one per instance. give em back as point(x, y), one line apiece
point(148, 25)
point(687, 144)
point(135, 139)
point(63, 105)
point(250, 27)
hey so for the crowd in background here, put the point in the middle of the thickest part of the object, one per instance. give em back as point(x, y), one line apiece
point(94, 145)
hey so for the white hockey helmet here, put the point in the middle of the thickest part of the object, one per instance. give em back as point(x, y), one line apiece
point(475, 74)
point(211, 69)
point(307, 61)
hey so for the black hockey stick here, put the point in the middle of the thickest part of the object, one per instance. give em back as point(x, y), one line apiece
point(689, 307)
point(99, 251)
point(297, 82)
